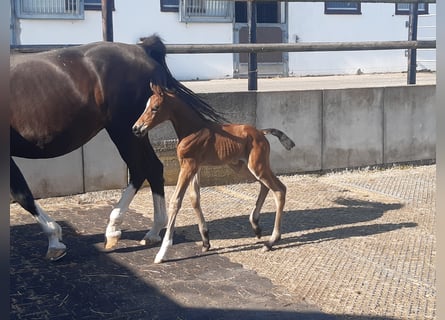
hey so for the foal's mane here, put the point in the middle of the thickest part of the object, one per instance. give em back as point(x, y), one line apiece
point(194, 102)
point(155, 48)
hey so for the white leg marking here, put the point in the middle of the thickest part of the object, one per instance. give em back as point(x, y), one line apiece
point(51, 229)
point(163, 250)
point(159, 220)
point(117, 214)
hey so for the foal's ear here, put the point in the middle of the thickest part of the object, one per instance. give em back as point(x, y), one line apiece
point(156, 89)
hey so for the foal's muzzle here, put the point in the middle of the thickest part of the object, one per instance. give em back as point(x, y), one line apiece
point(139, 130)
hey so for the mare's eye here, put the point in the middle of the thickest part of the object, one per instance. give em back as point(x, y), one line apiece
point(155, 109)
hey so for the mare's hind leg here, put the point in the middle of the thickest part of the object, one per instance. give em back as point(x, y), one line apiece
point(143, 164)
point(21, 193)
point(195, 197)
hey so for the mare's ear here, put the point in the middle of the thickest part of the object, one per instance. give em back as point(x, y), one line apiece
point(170, 90)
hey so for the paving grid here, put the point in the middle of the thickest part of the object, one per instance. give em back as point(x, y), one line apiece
point(355, 245)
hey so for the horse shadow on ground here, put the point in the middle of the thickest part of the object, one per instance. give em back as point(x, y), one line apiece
point(307, 223)
point(90, 284)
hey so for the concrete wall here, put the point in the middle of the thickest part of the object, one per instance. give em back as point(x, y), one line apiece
point(332, 129)
point(95, 166)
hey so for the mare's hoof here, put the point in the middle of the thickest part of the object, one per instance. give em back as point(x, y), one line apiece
point(267, 247)
point(150, 240)
point(111, 243)
point(55, 254)
point(205, 248)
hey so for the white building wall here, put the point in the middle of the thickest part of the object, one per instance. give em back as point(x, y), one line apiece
point(377, 22)
point(147, 18)
point(139, 18)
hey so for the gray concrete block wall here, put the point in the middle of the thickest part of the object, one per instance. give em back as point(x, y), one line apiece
point(103, 166)
point(352, 128)
point(298, 114)
point(95, 166)
point(409, 124)
point(53, 177)
point(332, 129)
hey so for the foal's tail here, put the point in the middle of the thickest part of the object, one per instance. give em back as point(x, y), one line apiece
point(284, 139)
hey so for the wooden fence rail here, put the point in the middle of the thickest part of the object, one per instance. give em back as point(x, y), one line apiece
point(265, 47)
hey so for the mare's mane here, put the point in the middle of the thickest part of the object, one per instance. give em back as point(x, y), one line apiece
point(155, 48)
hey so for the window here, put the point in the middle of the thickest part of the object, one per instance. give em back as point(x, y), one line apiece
point(206, 11)
point(267, 12)
point(49, 9)
point(95, 5)
point(342, 7)
point(404, 8)
point(169, 5)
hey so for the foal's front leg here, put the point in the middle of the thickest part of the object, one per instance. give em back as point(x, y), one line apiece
point(186, 173)
point(195, 197)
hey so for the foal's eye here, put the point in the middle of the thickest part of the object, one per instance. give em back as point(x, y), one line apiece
point(155, 109)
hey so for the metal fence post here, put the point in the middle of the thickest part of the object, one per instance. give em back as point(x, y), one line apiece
point(107, 20)
point(412, 53)
point(253, 64)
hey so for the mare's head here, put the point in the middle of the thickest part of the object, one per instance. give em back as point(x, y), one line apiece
point(156, 111)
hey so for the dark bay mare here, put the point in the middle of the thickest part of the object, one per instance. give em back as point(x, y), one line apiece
point(61, 99)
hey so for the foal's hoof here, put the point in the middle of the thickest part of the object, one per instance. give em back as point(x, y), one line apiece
point(258, 232)
point(111, 243)
point(54, 254)
point(158, 260)
point(205, 248)
point(150, 240)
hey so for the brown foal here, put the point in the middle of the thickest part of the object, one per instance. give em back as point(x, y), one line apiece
point(207, 142)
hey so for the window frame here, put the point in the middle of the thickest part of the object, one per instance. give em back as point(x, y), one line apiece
point(77, 15)
point(354, 11)
point(169, 5)
point(399, 11)
point(93, 6)
point(185, 14)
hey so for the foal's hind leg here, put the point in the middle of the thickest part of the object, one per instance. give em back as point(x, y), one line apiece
point(22, 194)
point(279, 192)
point(265, 175)
point(241, 168)
point(255, 214)
point(196, 203)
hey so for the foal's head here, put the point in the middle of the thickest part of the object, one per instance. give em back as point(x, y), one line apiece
point(156, 112)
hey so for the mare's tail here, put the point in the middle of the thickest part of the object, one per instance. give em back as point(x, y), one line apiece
point(284, 139)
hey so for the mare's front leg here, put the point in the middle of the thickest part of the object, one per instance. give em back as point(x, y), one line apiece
point(188, 170)
point(142, 164)
point(113, 231)
point(21, 193)
point(195, 197)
